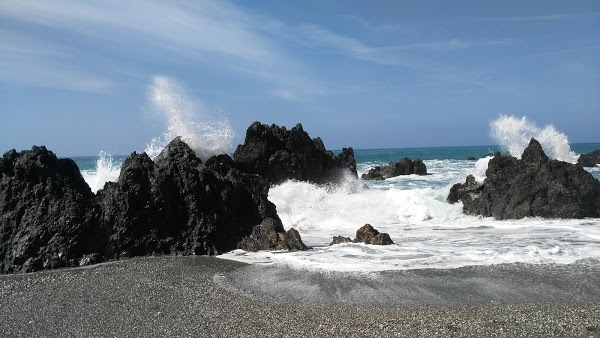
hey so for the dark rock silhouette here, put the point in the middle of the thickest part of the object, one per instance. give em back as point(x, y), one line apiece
point(532, 186)
point(591, 159)
point(340, 240)
point(49, 218)
point(176, 204)
point(48, 215)
point(279, 154)
point(365, 234)
point(405, 166)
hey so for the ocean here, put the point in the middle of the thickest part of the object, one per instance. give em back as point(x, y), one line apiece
point(426, 230)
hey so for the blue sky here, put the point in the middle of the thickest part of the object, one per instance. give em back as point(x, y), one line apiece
point(74, 75)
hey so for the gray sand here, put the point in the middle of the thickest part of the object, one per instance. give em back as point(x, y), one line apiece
point(210, 297)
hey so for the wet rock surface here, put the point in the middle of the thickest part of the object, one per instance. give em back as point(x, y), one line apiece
point(365, 234)
point(406, 166)
point(531, 186)
point(279, 154)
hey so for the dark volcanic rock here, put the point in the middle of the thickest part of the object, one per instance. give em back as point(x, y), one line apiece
point(532, 186)
point(176, 204)
point(368, 235)
point(269, 235)
point(340, 240)
point(590, 159)
point(406, 166)
point(48, 216)
point(278, 155)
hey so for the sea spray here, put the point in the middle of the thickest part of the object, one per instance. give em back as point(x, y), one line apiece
point(207, 134)
point(107, 169)
point(513, 134)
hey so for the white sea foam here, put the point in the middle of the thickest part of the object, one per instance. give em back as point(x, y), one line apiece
point(207, 133)
point(513, 134)
point(427, 231)
point(106, 170)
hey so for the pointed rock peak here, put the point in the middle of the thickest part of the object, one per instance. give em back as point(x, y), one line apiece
point(177, 148)
point(534, 153)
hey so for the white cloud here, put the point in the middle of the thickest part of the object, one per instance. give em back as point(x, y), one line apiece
point(215, 32)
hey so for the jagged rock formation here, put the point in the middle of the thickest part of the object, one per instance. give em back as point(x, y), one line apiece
point(591, 159)
point(365, 234)
point(405, 166)
point(532, 186)
point(48, 214)
point(279, 154)
point(176, 204)
point(49, 217)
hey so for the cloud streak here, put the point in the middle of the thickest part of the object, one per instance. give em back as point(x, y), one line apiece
point(216, 32)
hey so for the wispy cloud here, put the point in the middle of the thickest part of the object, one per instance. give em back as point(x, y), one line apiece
point(550, 17)
point(213, 32)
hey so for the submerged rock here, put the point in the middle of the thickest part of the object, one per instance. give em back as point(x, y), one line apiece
point(365, 234)
point(406, 166)
point(279, 155)
point(48, 215)
point(591, 159)
point(340, 240)
point(532, 186)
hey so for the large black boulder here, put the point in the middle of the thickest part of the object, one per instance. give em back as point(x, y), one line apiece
point(405, 166)
point(531, 186)
point(48, 215)
point(591, 159)
point(279, 154)
point(178, 205)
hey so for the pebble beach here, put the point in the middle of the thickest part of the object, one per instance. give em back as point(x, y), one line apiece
point(212, 297)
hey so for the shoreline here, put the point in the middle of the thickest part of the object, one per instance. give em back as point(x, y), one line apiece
point(203, 296)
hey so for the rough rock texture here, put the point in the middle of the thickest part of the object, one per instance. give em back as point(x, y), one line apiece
point(340, 240)
point(368, 235)
point(176, 204)
point(590, 159)
point(532, 186)
point(405, 166)
point(48, 216)
point(365, 234)
point(279, 154)
point(269, 235)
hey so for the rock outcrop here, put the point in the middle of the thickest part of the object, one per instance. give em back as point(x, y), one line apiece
point(365, 234)
point(591, 159)
point(405, 166)
point(48, 214)
point(279, 154)
point(176, 204)
point(532, 186)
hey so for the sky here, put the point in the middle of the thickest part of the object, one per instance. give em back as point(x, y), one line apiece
point(75, 75)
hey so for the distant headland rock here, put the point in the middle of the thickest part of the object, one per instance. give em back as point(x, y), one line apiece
point(174, 204)
point(591, 159)
point(278, 154)
point(405, 166)
point(532, 186)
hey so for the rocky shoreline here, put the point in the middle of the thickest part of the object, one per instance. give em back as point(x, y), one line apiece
point(173, 204)
point(189, 296)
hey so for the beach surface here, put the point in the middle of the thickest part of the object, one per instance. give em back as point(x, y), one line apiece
point(212, 297)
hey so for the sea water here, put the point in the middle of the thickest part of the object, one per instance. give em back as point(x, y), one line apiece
point(427, 231)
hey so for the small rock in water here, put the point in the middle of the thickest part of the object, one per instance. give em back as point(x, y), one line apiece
point(366, 234)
